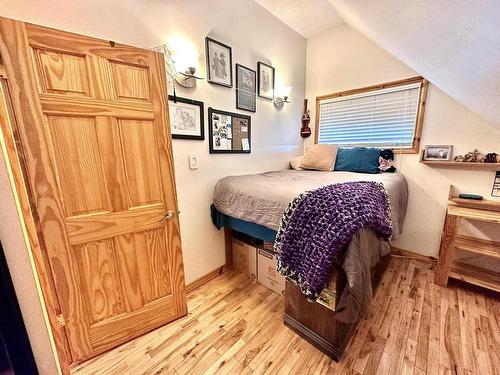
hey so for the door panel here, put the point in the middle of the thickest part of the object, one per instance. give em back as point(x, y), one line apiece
point(78, 160)
point(99, 279)
point(113, 168)
point(140, 167)
point(130, 81)
point(141, 262)
point(100, 163)
point(61, 73)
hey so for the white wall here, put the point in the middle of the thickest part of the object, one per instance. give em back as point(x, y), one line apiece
point(254, 35)
point(341, 59)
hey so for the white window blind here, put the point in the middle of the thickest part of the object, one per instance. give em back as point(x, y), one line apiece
point(380, 118)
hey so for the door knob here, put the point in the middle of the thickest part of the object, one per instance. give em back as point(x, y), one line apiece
point(169, 215)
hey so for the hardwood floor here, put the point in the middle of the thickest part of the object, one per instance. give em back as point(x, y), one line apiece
point(235, 326)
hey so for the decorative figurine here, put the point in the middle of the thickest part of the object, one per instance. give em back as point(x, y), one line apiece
point(492, 157)
point(475, 156)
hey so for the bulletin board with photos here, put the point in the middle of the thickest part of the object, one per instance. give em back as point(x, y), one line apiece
point(228, 132)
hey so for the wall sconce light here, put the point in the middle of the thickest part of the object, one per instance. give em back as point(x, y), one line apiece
point(181, 60)
point(281, 98)
point(188, 78)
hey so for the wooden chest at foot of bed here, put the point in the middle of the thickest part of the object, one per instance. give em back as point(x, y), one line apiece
point(316, 323)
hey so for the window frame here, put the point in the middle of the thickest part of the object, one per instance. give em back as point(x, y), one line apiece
point(415, 149)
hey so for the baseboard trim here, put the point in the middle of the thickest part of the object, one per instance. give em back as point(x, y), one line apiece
point(396, 251)
point(206, 278)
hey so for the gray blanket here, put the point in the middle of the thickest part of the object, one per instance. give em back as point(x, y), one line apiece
point(262, 199)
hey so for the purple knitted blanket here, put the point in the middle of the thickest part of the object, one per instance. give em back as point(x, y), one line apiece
point(319, 224)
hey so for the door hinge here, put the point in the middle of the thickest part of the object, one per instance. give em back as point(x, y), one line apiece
point(60, 320)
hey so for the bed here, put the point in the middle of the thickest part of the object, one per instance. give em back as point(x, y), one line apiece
point(254, 204)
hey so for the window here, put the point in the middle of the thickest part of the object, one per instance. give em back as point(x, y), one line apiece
point(385, 116)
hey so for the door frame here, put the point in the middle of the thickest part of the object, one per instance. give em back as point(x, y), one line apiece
point(15, 160)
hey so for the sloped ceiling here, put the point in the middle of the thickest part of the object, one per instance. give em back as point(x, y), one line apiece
point(455, 44)
point(307, 17)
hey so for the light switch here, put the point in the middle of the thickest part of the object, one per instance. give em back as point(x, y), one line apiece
point(193, 161)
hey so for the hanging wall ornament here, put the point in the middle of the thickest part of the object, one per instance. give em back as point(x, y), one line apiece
point(305, 130)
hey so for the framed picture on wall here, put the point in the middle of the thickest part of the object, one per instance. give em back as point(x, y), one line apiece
point(219, 62)
point(228, 132)
point(265, 80)
point(245, 88)
point(186, 118)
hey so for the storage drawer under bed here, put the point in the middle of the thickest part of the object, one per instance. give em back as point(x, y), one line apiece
point(258, 261)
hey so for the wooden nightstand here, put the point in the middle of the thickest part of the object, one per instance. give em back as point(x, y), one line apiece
point(481, 210)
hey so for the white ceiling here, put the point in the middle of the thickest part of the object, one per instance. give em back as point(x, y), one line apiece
point(307, 17)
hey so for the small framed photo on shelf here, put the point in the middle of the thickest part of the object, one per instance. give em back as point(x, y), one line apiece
point(245, 88)
point(265, 80)
point(228, 132)
point(186, 118)
point(219, 62)
point(438, 152)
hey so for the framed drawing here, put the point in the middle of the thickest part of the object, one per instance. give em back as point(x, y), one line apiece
point(265, 80)
point(245, 88)
point(219, 62)
point(186, 118)
point(228, 132)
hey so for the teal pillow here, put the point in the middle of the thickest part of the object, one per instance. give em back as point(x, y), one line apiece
point(358, 159)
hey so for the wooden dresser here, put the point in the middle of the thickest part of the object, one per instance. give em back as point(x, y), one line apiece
point(451, 242)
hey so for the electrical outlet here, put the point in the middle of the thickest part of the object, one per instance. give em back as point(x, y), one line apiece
point(193, 161)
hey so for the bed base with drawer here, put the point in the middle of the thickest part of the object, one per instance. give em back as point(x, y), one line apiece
point(316, 323)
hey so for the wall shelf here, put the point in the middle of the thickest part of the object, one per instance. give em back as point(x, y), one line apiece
point(462, 165)
point(459, 165)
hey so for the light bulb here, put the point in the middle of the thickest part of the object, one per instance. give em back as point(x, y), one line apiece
point(184, 53)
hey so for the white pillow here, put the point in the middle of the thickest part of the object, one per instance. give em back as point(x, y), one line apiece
point(295, 163)
point(320, 157)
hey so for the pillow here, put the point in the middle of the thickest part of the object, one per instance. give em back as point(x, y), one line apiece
point(320, 157)
point(295, 163)
point(358, 159)
point(386, 161)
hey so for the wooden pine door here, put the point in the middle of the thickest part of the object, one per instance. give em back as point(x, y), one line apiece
point(93, 125)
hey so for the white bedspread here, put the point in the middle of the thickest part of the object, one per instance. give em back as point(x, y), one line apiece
point(262, 198)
